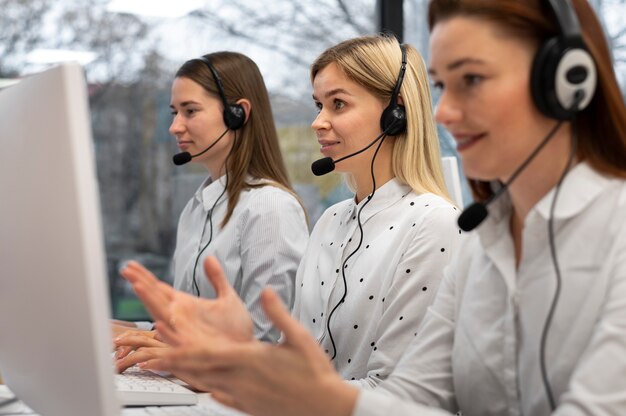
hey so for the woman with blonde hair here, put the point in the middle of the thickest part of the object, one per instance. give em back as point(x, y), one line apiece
point(374, 262)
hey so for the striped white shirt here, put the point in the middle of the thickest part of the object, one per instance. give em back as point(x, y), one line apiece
point(260, 246)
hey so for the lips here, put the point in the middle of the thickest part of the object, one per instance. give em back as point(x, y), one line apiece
point(183, 144)
point(466, 140)
point(326, 145)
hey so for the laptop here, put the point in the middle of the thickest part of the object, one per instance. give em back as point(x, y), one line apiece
point(55, 339)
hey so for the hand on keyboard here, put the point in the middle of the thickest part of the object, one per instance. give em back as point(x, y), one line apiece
point(134, 347)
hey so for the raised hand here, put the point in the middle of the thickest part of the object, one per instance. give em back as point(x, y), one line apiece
point(295, 377)
point(226, 314)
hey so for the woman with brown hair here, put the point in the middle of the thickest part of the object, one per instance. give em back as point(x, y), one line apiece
point(245, 213)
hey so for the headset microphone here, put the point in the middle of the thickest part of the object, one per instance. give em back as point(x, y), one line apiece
point(185, 157)
point(180, 159)
point(474, 215)
point(326, 165)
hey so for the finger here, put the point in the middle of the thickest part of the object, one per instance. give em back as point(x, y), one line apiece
point(138, 275)
point(275, 310)
point(217, 278)
point(166, 333)
point(154, 299)
point(122, 352)
point(134, 272)
point(190, 359)
point(138, 341)
point(138, 357)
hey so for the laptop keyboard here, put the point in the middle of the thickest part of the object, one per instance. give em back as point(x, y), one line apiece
point(198, 410)
point(136, 387)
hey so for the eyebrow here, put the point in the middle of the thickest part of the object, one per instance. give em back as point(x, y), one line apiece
point(333, 92)
point(459, 63)
point(185, 103)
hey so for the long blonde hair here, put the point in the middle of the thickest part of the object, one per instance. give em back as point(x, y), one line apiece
point(256, 151)
point(374, 63)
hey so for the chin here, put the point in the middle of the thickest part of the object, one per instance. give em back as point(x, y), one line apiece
point(478, 172)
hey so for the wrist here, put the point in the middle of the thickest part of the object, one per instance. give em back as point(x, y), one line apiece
point(340, 397)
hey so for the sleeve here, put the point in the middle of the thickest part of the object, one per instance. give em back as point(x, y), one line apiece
point(415, 283)
point(273, 239)
point(374, 403)
point(598, 383)
point(424, 372)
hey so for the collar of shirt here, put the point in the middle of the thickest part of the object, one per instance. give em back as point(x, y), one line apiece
point(385, 196)
point(579, 189)
point(581, 186)
point(209, 191)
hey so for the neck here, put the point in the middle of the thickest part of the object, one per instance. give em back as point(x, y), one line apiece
point(215, 162)
point(217, 172)
point(541, 175)
point(383, 173)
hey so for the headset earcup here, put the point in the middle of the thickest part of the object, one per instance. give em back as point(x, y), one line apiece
point(558, 71)
point(393, 120)
point(234, 116)
point(543, 80)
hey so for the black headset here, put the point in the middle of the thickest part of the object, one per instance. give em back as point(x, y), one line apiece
point(393, 119)
point(234, 114)
point(563, 67)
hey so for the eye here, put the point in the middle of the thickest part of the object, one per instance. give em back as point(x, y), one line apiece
point(438, 85)
point(173, 112)
point(318, 105)
point(339, 104)
point(472, 79)
point(190, 111)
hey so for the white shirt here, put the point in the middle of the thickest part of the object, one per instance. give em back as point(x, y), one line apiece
point(391, 280)
point(260, 246)
point(478, 348)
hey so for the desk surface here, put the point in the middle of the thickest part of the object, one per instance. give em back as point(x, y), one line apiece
point(206, 406)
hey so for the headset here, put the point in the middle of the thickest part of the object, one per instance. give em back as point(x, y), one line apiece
point(563, 81)
point(234, 118)
point(234, 114)
point(393, 118)
point(563, 67)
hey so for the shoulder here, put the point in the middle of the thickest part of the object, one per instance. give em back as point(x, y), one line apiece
point(269, 196)
point(271, 204)
point(335, 211)
point(433, 212)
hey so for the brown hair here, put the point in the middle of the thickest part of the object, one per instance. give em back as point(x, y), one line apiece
point(374, 63)
point(255, 151)
point(602, 125)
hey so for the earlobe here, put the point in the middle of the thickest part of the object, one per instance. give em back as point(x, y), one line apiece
point(246, 105)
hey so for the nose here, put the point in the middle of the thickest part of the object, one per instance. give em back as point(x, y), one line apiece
point(320, 122)
point(177, 127)
point(448, 110)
